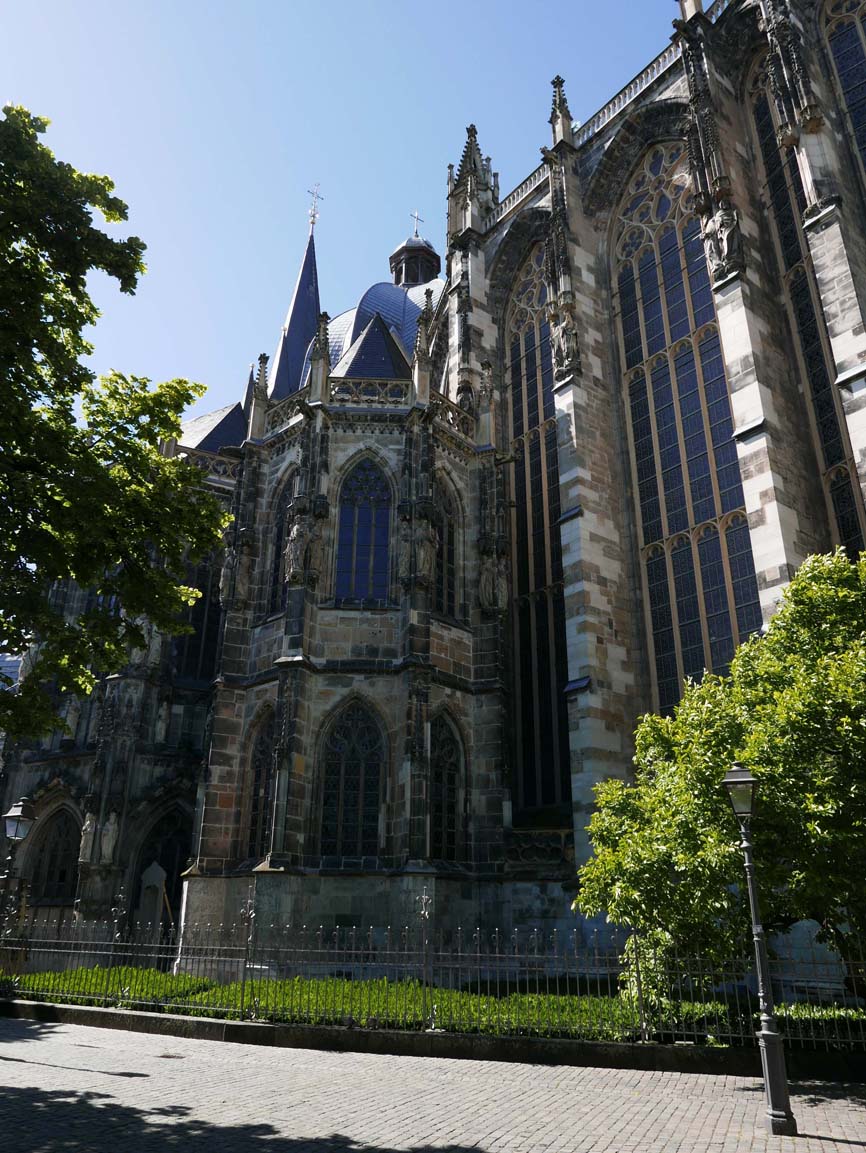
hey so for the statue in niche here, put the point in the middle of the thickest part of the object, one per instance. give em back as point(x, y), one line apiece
point(244, 566)
point(723, 242)
point(487, 582)
point(426, 543)
point(108, 840)
point(71, 715)
point(466, 398)
point(95, 718)
point(88, 832)
point(230, 564)
point(565, 347)
point(404, 554)
point(296, 549)
point(314, 549)
point(502, 584)
point(160, 734)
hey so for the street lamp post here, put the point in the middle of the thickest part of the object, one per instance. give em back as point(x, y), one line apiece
point(742, 786)
point(18, 823)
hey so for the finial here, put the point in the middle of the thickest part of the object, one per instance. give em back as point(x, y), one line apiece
point(314, 206)
point(262, 378)
point(472, 132)
point(560, 116)
point(418, 219)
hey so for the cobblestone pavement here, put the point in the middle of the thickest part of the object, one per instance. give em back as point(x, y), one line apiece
point(72, 1088)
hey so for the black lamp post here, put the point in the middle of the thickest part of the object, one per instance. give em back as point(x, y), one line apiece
point(18, 823)
point(742, 787)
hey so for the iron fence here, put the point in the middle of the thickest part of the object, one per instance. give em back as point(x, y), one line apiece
point(525, 983)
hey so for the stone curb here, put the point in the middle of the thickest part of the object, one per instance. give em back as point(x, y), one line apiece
point(802, 1064)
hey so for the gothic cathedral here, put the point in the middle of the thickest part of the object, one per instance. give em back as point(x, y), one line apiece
point(490, 515)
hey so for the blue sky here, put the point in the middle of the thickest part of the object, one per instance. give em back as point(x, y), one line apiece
point(214, 118)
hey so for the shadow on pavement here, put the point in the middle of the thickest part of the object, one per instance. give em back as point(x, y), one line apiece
point(57, 1121)
point(15, 1031)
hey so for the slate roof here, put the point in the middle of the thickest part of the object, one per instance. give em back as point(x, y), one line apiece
point(299, 329)
point(375, 355)
point(215, 430)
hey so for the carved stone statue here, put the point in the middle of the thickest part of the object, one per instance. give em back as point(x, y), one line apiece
point(487, 583)
point(466, 397)
point(404, 553)
point(88, 831)
point(244, 567)
point(723, 242)
point(502, 598)
point(71, 715)
point(296, 549)
point(162, 719)
point(108, 839)
point(565, 347)
point(227, 574)
point(426, 543)
point(713, 247)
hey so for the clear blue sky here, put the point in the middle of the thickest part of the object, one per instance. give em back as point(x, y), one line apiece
point(214, 118)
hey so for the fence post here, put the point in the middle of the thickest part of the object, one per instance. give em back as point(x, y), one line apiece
point(425, 904)
point(644, 1031)
point(248, 916)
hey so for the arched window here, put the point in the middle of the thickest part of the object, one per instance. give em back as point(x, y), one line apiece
point(195, 653)
point(55, 877)
point(261, 795)
point(684, 460)
point(353, 768)
point(279, 529)
point(363, 553)
point(445, 583)
point(446, 775)
point(540, 671)
point(845, 27)
point(829, 431)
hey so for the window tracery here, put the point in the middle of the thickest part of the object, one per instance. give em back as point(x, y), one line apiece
point(684, 459)
point(55, 877)
point(261, 795)
point(845, 29)
point(787, 201)
point(282, 515)
point(354, 763)
point(445, 579)
point(364, 534)
point(446, 775)
point(540, 671)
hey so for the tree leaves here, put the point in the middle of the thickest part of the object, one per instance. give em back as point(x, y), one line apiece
point(90, 500)
point(793, 709)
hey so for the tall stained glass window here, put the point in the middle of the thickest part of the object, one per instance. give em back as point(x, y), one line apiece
point(261, 794)
point(55, 877)
point(445, 581)
point(787, 202)
point(845, 26)
point(700, 590)
point(540, 671)
point(364, 533)
point(446, 773)
point(195, 653)
point(354, 765)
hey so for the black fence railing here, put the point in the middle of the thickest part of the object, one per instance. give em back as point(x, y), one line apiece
point(527, 983)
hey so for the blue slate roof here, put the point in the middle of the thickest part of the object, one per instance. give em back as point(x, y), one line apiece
point(375, 355)
point(299, 329)
point(215, 430)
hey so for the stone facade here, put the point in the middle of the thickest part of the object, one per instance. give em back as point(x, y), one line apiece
point(483, 521)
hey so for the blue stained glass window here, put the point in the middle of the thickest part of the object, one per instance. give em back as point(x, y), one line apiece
point(445, 583)
point(716, 601)
point(531, 378)
point(282, 507)
point(516, 389)
point(261, 792)
point(811, 346)
point(363, 552)
point(699, 278)
point(688, 608)
point(743, 580)
point(847, 48)
point(669, 448)
point(354, 761)
point(691, 416)
point(845, 510)
point(721, 425)
point(777, 185)
point(546, 371)
point(654, 325)
point(661, 620)
point(630, 320)
point(648, 493)
point(675, 289)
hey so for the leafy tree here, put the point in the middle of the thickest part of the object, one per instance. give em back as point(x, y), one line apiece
point(86, 495)
point(667, 861)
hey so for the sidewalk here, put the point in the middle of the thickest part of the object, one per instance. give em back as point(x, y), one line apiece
point(72, 1088)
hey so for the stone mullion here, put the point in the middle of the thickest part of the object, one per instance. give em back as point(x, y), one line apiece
point(646, 368)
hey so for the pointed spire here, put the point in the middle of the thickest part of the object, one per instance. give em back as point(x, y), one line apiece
point(560, 117)
point(259, 400)
point(299, 329)
point(476, 183)
point(250, 391)
point(471, 162)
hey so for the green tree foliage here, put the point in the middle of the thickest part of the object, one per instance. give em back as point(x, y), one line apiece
point(85, 492)
point(793, 709)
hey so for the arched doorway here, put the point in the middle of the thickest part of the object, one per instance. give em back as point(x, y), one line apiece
point(156, 893)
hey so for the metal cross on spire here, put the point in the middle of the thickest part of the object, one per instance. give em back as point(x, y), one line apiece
point(314, 206)
point(418, 219)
